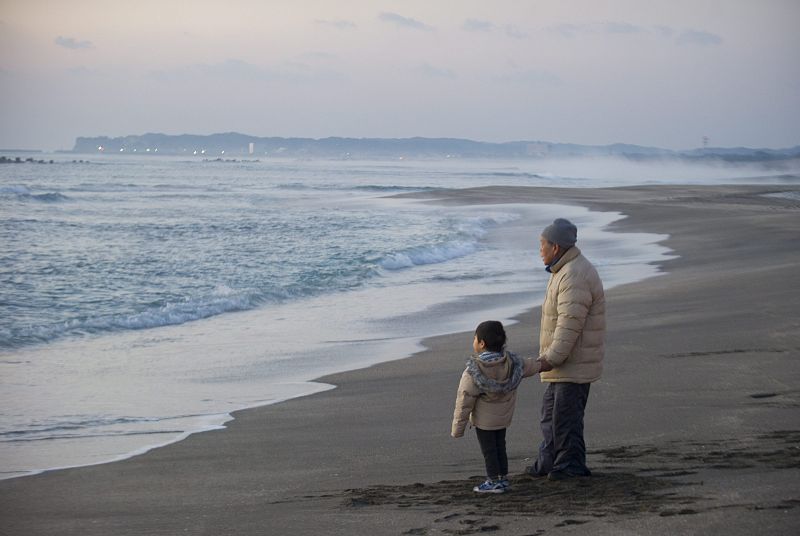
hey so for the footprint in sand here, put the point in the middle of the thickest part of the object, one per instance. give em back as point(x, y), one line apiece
point(568, 522)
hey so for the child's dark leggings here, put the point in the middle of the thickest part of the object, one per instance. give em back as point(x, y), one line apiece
point(493, 447)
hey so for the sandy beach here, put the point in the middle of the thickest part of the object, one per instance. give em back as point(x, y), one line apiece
point(693, 429)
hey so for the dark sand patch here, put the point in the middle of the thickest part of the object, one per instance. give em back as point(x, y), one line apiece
point(655, 483)
point(603, 494)
point(777, 450)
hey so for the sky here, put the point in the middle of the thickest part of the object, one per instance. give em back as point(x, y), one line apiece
point(658, 73)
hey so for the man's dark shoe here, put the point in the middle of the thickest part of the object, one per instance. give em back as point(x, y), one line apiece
point(532, 472)
point(555, 476)
point(565, 475)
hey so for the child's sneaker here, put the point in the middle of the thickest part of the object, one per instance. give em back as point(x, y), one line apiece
point(490, 486)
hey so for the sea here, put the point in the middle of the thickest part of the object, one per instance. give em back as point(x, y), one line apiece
point(147, 298)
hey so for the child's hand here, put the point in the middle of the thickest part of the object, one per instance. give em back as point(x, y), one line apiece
point(544, 365)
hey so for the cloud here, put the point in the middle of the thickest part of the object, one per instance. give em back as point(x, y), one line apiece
point(405, 22)
point(664, 31)
point(316, 55)
point(430, 71)
point(621, 28)
point(611, 27)
point(72, 43)
point(699, 38)
point(474, 25)
point(568, 30)
point(230, 68)
point(238, 70)
point(514, 32)
point(83, 71)
point(338, 24)
point(685, 37)
point(531, 77)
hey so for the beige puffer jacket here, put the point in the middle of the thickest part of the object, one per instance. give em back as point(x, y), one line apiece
point(486, 410)
point(573, 328)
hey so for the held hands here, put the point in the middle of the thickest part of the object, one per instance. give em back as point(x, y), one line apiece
point(544, 364)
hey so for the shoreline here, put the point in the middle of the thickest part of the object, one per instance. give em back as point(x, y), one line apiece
point(446, 307)
point(695, 332)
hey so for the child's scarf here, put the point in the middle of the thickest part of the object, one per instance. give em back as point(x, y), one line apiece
point(489, 385)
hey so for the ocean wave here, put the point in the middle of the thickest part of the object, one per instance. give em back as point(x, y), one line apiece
point(469, 232)
point(71, 425)
point(791, 195)
point(14, 190)
point(300, 186)
point(427, 255)
point(102, 187)
point(467, 277)
point(293, 186)
point(89, 426)
point(87, 436)
point(173, 300)
point(21, 193)
point(480, 225)
point(510, 174)
point(393, 188)
point(222, 300)
point(53, 197)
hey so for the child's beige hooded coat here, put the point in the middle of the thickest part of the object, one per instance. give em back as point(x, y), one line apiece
point(487, 392)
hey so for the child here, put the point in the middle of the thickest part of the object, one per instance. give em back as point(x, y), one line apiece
point(486, 397)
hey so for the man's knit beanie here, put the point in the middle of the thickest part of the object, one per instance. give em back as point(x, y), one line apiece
point(562, 232)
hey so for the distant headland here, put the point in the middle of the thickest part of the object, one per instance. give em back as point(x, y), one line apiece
point(234, 144)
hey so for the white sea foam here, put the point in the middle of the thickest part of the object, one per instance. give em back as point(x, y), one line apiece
point(428, 255)
point(793, 195)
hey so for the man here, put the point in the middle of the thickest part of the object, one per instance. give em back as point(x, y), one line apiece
point(572, 344)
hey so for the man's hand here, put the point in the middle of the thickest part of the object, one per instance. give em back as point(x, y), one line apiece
point(544, 364)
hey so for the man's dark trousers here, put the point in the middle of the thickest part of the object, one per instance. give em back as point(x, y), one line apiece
point(563, 449)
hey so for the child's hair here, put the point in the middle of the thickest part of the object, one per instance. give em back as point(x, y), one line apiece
point(492, 334)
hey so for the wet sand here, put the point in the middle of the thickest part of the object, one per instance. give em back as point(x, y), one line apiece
point(694, 428)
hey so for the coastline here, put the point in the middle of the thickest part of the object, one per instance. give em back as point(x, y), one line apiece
point(353, 329)
point(697, 331)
